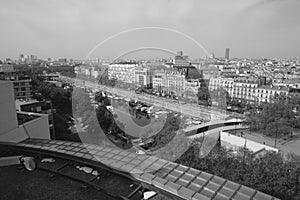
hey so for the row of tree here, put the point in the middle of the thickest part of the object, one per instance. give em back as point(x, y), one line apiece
point(276, 118)
point(269, 173)
point(37, 68)
point(62, 102)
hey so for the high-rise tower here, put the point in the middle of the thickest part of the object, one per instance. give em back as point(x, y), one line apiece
point(227, 53)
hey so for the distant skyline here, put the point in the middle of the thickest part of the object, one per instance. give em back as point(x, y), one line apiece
point(71, 28)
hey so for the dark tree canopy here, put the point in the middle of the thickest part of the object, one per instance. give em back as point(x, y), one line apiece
point(269, 173)
point(61, 100)
point(276, 118)
point(203, 94)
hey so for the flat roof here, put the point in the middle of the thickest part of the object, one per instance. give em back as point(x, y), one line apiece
point(35, 185)
point(25, 102)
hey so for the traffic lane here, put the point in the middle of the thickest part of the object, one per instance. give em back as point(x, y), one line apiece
point(188, 109)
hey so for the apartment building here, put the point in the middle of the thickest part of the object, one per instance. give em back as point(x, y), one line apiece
point(181, 60)
point(170, 81)
point(265, 93)
point(21, 83)
point(91, 71)
point(210, 71)
point(143, 76)
point(244, 88)
point(6, 68)
point(248, 89)
point(122, 71)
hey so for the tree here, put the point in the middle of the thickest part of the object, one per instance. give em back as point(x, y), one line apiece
point(105, 118)
point(275, 119)
point(81, 103)
point(61, 127)
point(60, 98)
point(168, 132)
point(61, 102)
point(220, 97)
point(203, 94)
point(269, 173)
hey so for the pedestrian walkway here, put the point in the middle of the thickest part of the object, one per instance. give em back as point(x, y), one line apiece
point(288, 145)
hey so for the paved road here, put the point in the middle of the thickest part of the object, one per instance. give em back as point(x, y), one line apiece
point(286, 146)
point(193, 110)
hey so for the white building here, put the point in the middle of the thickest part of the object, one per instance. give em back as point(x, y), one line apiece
point(91, 71)
point(143, 76)
point(123, 71)
point(265, 93)
point(169, 81)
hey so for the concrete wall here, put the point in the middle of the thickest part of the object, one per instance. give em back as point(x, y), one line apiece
point(38, 128)
point(8, 117)
point(235, 142)
point(10, 131)
point(15, 135)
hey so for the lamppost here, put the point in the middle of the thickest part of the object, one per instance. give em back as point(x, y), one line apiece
point(278, 122)
point(276, 135)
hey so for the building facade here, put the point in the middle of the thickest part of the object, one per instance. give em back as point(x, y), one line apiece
point(266, 93)
point(210, 71)
point(244, 88)
point(4, 68)
point(143, 77)
point(21, 83)
point(123, 71)
point(170, 81)
point(91, 71)
point(227, 50)
point(248, 89)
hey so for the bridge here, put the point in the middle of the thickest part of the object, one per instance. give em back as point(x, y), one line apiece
point(214, 126)
point(164, 177)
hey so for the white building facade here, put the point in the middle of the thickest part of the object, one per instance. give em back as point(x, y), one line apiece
point(122, 71)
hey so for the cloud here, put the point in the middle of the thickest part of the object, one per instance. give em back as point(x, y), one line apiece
point(73, 26)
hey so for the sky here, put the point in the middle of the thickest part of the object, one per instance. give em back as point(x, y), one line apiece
point(72, 28)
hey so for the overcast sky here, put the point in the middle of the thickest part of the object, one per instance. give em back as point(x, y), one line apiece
point(58, 28)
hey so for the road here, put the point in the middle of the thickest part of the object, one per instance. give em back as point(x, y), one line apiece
point(193, 110)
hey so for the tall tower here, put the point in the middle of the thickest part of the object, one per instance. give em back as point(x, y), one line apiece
point(227, 53)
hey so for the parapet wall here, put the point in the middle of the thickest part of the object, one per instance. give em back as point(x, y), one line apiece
point(232, 141)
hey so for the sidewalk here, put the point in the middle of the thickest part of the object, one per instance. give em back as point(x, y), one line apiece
point(290, 145)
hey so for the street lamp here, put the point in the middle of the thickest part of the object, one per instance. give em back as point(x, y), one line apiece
point(276, 135)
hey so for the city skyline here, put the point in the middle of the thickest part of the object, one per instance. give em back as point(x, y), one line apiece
point(255, 29)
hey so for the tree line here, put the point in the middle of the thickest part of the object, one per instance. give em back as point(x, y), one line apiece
point(270, 173)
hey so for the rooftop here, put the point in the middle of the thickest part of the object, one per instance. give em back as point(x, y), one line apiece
point(19, 183)
point(270, 87)
point(160, 175)
point(20, 102)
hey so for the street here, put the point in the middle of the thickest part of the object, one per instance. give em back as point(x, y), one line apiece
point(193, 110)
